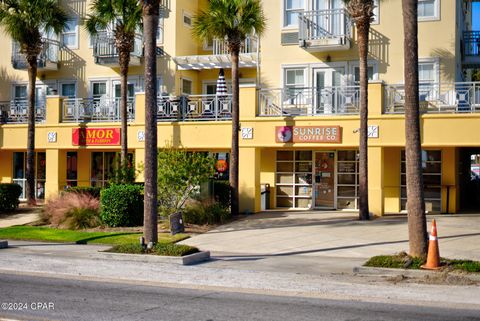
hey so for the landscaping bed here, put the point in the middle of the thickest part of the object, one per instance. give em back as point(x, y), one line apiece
point(163, 249)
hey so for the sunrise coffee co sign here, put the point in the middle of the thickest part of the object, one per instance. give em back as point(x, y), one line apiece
point(308, 134)
point(96, 136)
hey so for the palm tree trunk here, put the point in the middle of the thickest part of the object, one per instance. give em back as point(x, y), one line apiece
point(417, 228)
point(234, 193)
point(363, 29)
point(124, 60)
point(30, 169)
point(150, 25)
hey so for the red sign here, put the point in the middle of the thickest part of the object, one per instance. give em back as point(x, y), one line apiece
point(221, 165)
point(95, 136)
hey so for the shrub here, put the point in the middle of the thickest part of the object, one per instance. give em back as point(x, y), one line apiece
point(206, 212)
point(164, 249)
point(122, 205)
point(221, 192)
point(9, 194)
point(72, 211)
point(92, 191)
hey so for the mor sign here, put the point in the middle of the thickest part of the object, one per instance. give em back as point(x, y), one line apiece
point(308, 134)
point(95, 136)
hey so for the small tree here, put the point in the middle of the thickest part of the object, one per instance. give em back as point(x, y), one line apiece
point(179, 174)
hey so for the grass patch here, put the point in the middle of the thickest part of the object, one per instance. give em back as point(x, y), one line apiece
point(47, 234)
point(404, 261)
point(163, 249)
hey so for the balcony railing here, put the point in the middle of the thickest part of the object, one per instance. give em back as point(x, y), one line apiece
point(460, 97)
point(194, 108)
point(106, 53)
point(249, 45)
point(324, 29)
point(471, 42)
point(309, 101)
point(47, 59)
point(16, 112)
point(95, 110)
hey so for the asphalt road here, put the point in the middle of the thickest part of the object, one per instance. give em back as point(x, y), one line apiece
point(42, 298)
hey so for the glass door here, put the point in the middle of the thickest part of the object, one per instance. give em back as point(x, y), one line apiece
point(130, 98)
point(326, 81)
point(329, 20)
point(324, 182)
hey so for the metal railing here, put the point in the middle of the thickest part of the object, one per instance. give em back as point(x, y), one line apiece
point(343, 100)
point(249, 45)
point(104, 46)
point(194, 108)
point(471, 43)
point(49, 54)
point(95, 110)
point(459, 97)
point(324, 24)
point(16, 111)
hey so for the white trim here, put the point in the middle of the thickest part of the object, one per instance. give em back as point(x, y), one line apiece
point(436, 66)
point(354, 64)
point(75, 32)
point(376, 12)
point(436, 15)
point(283, 13)
point(67, 82)
point(181, 85)
point(188, 15)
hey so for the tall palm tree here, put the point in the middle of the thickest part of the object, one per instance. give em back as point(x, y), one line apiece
point(361, 13)
point(417, 226)
point(150, 13)
point(25, 21)
point(125, 16)
point(232, 20)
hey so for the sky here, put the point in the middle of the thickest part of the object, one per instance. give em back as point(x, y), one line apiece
point(476, 16)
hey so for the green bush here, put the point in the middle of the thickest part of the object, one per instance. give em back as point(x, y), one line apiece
point(164, 249)
point(92, 191)
point(206, 213)
point(122, 205)
point(9, 194)
point(221, 192)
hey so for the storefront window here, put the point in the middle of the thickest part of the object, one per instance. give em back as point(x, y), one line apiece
point(432, 180)
point(72, 159)
point(19, 170)
point(222, 166)
point(104, 165)
point(347, 179)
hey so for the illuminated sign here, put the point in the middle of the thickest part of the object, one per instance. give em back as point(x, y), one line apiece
point(95, 136)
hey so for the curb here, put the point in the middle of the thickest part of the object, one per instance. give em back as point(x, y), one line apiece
point(363, 270)
point(182, 260)
point(3, 244)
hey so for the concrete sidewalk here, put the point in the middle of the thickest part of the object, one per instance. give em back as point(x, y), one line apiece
point(334, 234)
point(21, 216)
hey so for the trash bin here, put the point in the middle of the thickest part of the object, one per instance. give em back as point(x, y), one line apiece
point(265, 196)
point(176, 223)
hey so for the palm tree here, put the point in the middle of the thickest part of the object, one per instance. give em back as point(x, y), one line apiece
point(417, 226)
point(125, 16)
point(25, 21)
point(232, 20)
point(151, 10)
point(361, 13)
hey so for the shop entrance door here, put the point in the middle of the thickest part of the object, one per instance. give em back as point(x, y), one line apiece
point(324, 182)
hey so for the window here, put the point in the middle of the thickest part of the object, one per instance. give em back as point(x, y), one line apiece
point(72, 161)
point(69, 35)
point(295, 78)
point(356, 74)
point(347, 179)
point(292, 8)
point(428, 9)
point(99, 89)
point(19, 170)
point(20, 92)
point(376, 12)
point(160, 30)
point(68, 90)
point(186, 86)
point(426, 72)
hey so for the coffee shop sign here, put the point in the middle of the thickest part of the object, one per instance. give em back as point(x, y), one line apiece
point(308, 134)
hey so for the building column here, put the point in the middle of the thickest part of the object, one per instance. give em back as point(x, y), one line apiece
point(375, 180)
point(6, 170)
point(56, 172)
point(449, 180)
point(391, 179)
point(139, 159)
point(249, 179)
point(84, 164)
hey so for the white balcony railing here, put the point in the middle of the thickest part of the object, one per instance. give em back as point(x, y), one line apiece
point(47, 59)
point(106, 52)
point(249, 45)
point(460, 97)
point(194, 108)
point(16, 111)
point(316, 28)
point(95, 110)
point(286, 102)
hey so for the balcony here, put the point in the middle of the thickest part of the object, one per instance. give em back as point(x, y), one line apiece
point(194, 108)
point(220, 57)
point(47, 60)
point(460, 97)
point(328, 101)
point(102, 109)
point(324, 30)
point(105, 52)
point(16, 112)
point(471, 49)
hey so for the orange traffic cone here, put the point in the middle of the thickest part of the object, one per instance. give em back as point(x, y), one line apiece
point(433, 258)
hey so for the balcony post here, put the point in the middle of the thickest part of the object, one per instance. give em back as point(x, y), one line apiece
point(53, 110)
point(375, 98)
point(248, 102)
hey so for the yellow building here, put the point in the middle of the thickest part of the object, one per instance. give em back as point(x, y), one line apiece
point(298, 105)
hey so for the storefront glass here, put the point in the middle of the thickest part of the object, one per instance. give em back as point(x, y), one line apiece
point(19, 170)
point(72, 159)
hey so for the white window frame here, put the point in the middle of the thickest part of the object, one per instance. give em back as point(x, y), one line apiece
point(436, 15)
point(60, 87)
point(71, 32)
point(161, 31)
point(285, 69)
point(376, 12)
point(356, 64)
point(284, 14)
point(191, 82)
point(436, 67)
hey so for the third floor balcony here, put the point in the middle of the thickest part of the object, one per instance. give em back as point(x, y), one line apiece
point(324, 30)
point(471, 48)
point(47, 59)
point(106, 53)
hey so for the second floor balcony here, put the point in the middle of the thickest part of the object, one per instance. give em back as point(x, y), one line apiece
point(106, 53)
point(324, 30)
point(194, 108)
point(16, 111)
point(220, 56)
point(103, 109)
point(47, 59)
point(471, 48)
